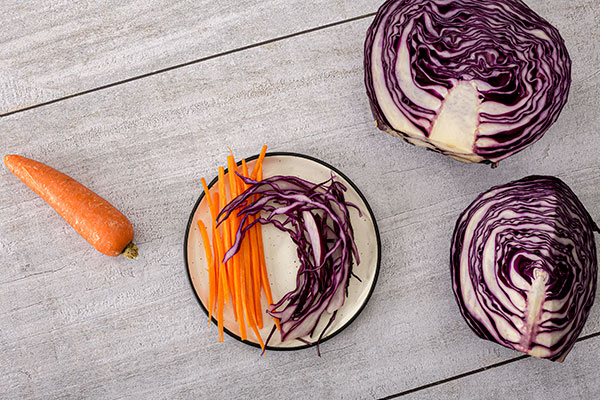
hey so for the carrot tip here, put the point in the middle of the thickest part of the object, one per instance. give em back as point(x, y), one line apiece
point(131, 251)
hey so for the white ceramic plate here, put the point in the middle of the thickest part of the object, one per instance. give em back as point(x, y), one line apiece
point(280, 253)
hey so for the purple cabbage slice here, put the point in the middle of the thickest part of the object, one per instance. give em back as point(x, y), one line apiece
point(477, 80)
point(317, 218)
point(524, 267)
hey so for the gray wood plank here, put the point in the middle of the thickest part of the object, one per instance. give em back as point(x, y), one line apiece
point(53, 48)
point(78, 324)
point(529, 379)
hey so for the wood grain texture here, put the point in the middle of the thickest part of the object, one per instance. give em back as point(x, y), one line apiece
point(76, 324)
point(529, 379)
point(50, 49)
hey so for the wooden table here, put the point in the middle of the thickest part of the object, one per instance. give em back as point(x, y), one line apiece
point(138, 100)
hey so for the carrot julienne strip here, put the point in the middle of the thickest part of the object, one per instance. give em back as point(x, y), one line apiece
point(216, 240)
point(227, 242)
point(263, 266)
point(243, 277)
point(211, 271)
point(259, 162)
point(216, 270)
point(252, 260)
point(209, 201)
point(221, 305)
point(231, 223)
point(214, 274)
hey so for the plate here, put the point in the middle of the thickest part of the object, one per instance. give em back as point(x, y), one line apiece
point(280, 253)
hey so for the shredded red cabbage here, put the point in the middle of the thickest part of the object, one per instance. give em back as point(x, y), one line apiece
point(317, 218)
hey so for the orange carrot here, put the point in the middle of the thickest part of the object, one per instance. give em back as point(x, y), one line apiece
point(95, 219)
point(259, 162)
point(263, 266)
point(227, 240)
point(209, 201)
point(253, 260)
point(244, 275)
point(245, 171)
point(215, 268)
point(232, 224)
point(222, 268)
point(249, 305)
point(215, 264)
point(211, 270)
point(216, 240)
point(214, 273)
point(221, 305)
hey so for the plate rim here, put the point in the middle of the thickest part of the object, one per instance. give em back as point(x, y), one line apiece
point(377, 264)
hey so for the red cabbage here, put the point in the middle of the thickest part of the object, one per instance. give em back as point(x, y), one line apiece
point(477, 80)
point(524, 267)
point(317, 218)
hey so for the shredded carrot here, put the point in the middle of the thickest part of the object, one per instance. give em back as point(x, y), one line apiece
point(213, 278)
point(246, 267)
point(216, 239)
point(215, 274)
point(216, 202)
point(222, 268)
point(209, 201)
point(231, 223)
point(253, 260)
point(211, 271)
point(263, 266)
point(221, 305)
point(227, 242)
point(259, 162)
point(243, 277)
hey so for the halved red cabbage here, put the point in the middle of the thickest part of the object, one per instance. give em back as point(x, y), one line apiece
point(317, 218)
point(477, 80)
point(524, 267)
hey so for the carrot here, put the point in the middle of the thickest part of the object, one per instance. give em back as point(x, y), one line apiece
point(221, 305)
point(209, 201)
point(253, 260)
point(252, 284)
point(227, 239)
point(215, 237)
point(222, 268)
point(214, 273)
point(259, 162)
point(216, 240)
point(232, 224)
point(95, 219)
point(211, 269)
point(243, 276)
point(261, 251)
point(215, 269)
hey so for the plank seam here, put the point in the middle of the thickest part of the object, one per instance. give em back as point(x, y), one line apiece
point(188, 63)
point(473, 372)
